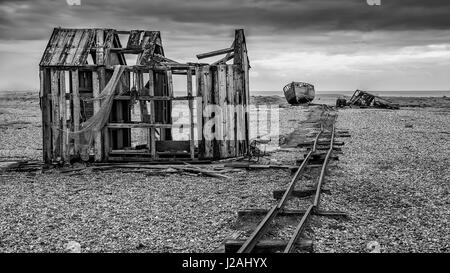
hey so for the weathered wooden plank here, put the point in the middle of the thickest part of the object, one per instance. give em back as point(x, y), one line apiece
point(134, 41)
point(45, 92)
point(151, 92)
point(56, 148)
point(142, 125)
point(207, 102)
point(217, 120)
point(100, 42)
point(191, 114)
point(278, 194)
point(239, 129)
point(231, 123)
point(73, 47)
point(169, 83)
point(223, 114)
point(172, 146)
point(63, 35)
point(215, 53)
point(76, 113)
point(96, 92)
point(199, 105)
point(63, 117)
point(51, 47)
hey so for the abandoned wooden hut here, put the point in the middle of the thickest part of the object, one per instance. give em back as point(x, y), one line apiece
point(97, 107)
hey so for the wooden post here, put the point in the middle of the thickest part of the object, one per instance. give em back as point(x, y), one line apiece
point(96, 92)
point(56, 148)
point(223, 114)
point(76, 109)
point(191, 113)
point(63, 116)
point(151, 88)
point(45, 93)
point(231, 111)
point(199, 100)
point(207, 95)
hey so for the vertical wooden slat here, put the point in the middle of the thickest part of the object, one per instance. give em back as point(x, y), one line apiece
point(199, 85)
point(207, 102)
point(151, 88)
point(46, 115)
point(56, 149)
point(105, 137)
point(96, 92)
point(100, 42)
point(191, 113)
point(169, 83)
point(231, 111)
point(239, 112)
point(76, 109)
point(221, 119)
point(63, 116)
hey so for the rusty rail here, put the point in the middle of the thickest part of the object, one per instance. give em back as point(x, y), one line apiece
point(263, 227)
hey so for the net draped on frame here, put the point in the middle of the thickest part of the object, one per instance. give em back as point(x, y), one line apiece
point(97, 122)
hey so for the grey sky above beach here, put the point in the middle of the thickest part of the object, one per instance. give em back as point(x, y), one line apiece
point(335, 45)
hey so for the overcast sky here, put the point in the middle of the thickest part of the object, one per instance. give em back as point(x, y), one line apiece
point(333, 44)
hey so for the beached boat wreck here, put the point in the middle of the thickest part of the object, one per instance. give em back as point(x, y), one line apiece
point(299, 93)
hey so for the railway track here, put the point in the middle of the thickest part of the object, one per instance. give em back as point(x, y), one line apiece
point(279, 209)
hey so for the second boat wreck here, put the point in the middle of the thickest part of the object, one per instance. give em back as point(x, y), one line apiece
point(299, 93)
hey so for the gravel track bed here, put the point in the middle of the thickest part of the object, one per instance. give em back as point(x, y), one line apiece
point(113, 212)
point(393, 180)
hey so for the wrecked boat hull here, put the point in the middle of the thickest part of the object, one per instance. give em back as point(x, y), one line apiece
point(299, 93)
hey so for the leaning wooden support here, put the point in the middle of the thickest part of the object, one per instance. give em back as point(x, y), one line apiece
point(215, 53)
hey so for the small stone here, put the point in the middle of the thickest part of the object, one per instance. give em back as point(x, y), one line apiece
point(374, 247)
point(73, 247)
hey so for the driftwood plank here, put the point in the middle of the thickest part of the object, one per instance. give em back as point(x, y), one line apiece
point(191, 114)
point(215, 53)
point(63, 116)
point(96, 92)
point(199, 101)
point(231, 122)
point(76, 109)
point(46, 115)
point(223, 114)
point(56, 150)
point(207, 102)
point(151, 92)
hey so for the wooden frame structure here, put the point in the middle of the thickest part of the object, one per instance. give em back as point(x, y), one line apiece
point(77, 66)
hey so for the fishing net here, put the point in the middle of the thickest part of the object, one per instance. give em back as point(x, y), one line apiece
point(85, 136)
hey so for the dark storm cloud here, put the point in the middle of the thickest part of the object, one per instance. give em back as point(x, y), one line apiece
point(31, 19)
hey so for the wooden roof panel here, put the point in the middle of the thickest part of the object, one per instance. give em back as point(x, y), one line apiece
point(68, 47)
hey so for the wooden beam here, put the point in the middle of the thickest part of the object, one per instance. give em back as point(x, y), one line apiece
point(224, 59)
point(151, 92)
point(56, 138)
point(142, 125)
point(222, 103)
point(231, 122)
point(191, 114)
point(155, 98)
point(215, 53)
point(45, 93)
point(278, 194)
point(96, 92)
point(63, 117)
point(76, 113)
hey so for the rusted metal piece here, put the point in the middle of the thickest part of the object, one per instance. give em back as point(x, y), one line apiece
point(262, 228)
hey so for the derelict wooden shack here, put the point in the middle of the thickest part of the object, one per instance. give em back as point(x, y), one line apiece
point(89, 95)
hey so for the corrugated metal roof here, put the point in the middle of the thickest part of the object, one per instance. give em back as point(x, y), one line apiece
point(68, 47)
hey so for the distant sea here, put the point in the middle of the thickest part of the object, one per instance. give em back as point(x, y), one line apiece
point(378, 93)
